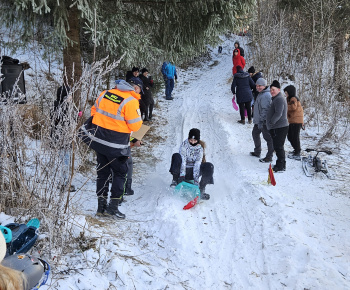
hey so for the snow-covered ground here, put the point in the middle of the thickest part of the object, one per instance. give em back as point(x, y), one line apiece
point(249, 235)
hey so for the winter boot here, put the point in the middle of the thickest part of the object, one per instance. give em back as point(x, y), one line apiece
point(112, 209)
point(204, 196)
point(175, 180)
point(128, 190)
point(241, 122)
point(101, 206)
point(255, 154)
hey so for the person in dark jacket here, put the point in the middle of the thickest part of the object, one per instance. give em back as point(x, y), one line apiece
point(295, 115)
point(277, 123)
point(134, 73)
point(239, 47)
point(242, 86)
point(147, 97)
point(255, 76)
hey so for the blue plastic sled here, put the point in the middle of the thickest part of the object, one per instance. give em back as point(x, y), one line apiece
point(187, 190)
point(24, 237)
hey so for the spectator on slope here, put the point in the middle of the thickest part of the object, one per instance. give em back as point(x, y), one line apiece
point(239, 47)
point(190, 164)
point(114, 116)
point(169, 74)
point(242, 86)
point(295, 115)
point(277, 123)
point(262, 104)
point(255, 76)
point(133, 73)
point(237, 60)
point(147, 94)
point(137, 81)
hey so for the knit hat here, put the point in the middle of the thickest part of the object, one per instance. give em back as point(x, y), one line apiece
point(261, 82)
point(135, 69)
point(144, 70)
point(194, 134)
point(275, 84)
point(239, 68)
point(251, 70)
point(290, 90)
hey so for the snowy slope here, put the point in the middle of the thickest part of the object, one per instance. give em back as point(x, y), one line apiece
point(249, 235)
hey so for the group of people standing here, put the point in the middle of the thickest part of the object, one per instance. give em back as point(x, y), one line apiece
point(275, 115)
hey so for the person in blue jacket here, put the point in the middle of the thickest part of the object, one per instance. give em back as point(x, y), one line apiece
point(169, 74)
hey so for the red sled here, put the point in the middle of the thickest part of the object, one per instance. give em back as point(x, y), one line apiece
point(191, 204)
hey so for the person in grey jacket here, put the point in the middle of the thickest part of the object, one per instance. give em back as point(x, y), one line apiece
point(262, 104)
point(277, 123)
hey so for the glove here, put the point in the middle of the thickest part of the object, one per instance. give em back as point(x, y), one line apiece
point(181, 179)
point(80, 114)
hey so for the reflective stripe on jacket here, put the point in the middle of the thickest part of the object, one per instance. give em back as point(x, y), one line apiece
point(115, 115)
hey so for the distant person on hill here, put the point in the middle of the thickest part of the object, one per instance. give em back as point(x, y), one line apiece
point(241, 87)
point(220, 49)
point(277, 123)
point(147, 94)
point(262, 105)
point(295, 115)
point(169, 74)
point(237, 60)
point(190, 163)
point(239, 47)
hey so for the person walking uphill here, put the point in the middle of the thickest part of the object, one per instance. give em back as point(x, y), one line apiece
point(277, 123)
point(236, 44)
point(242, 86)
point(147, 94)
point(262, 104)
point(295, 115)
point(169, 74)
point(190, 164)
point(237, 60)
point(114, 116)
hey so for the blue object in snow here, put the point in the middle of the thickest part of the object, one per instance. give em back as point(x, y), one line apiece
point(187, 190)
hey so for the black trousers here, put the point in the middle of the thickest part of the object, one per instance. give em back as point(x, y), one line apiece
point(243, 107)
point(278, 138)
point(294, 136)
point(206, 171)
point(111, 170)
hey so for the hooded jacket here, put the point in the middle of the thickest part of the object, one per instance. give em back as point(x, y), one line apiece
point(114, 116)
point(261, 106)
point(240, 48)
point(242, 86)
point(276, 116)
point(295, 112)
point(237, 60)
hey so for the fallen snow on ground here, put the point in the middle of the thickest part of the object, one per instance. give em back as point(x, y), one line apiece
point(249, 235)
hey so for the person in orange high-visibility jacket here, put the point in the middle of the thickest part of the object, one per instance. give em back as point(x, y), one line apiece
point(115, 115)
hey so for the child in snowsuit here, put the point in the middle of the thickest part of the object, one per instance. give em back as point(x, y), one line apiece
point(190, 164)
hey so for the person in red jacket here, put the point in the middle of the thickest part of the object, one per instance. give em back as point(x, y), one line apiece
point(237, 60)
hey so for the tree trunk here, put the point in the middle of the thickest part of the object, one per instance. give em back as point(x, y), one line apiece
point(72, 53)
point(339, 64)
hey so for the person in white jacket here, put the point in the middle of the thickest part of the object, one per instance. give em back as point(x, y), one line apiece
point(189, 164)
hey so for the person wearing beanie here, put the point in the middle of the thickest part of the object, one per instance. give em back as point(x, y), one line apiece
point(190, 164)
point(262, 104)
point(241, 88)
point(147, 97)
point(255, 76)
point(295, 115)
point(277, 123)
point(237, 60)
point(237, 46)
point(134, 72)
